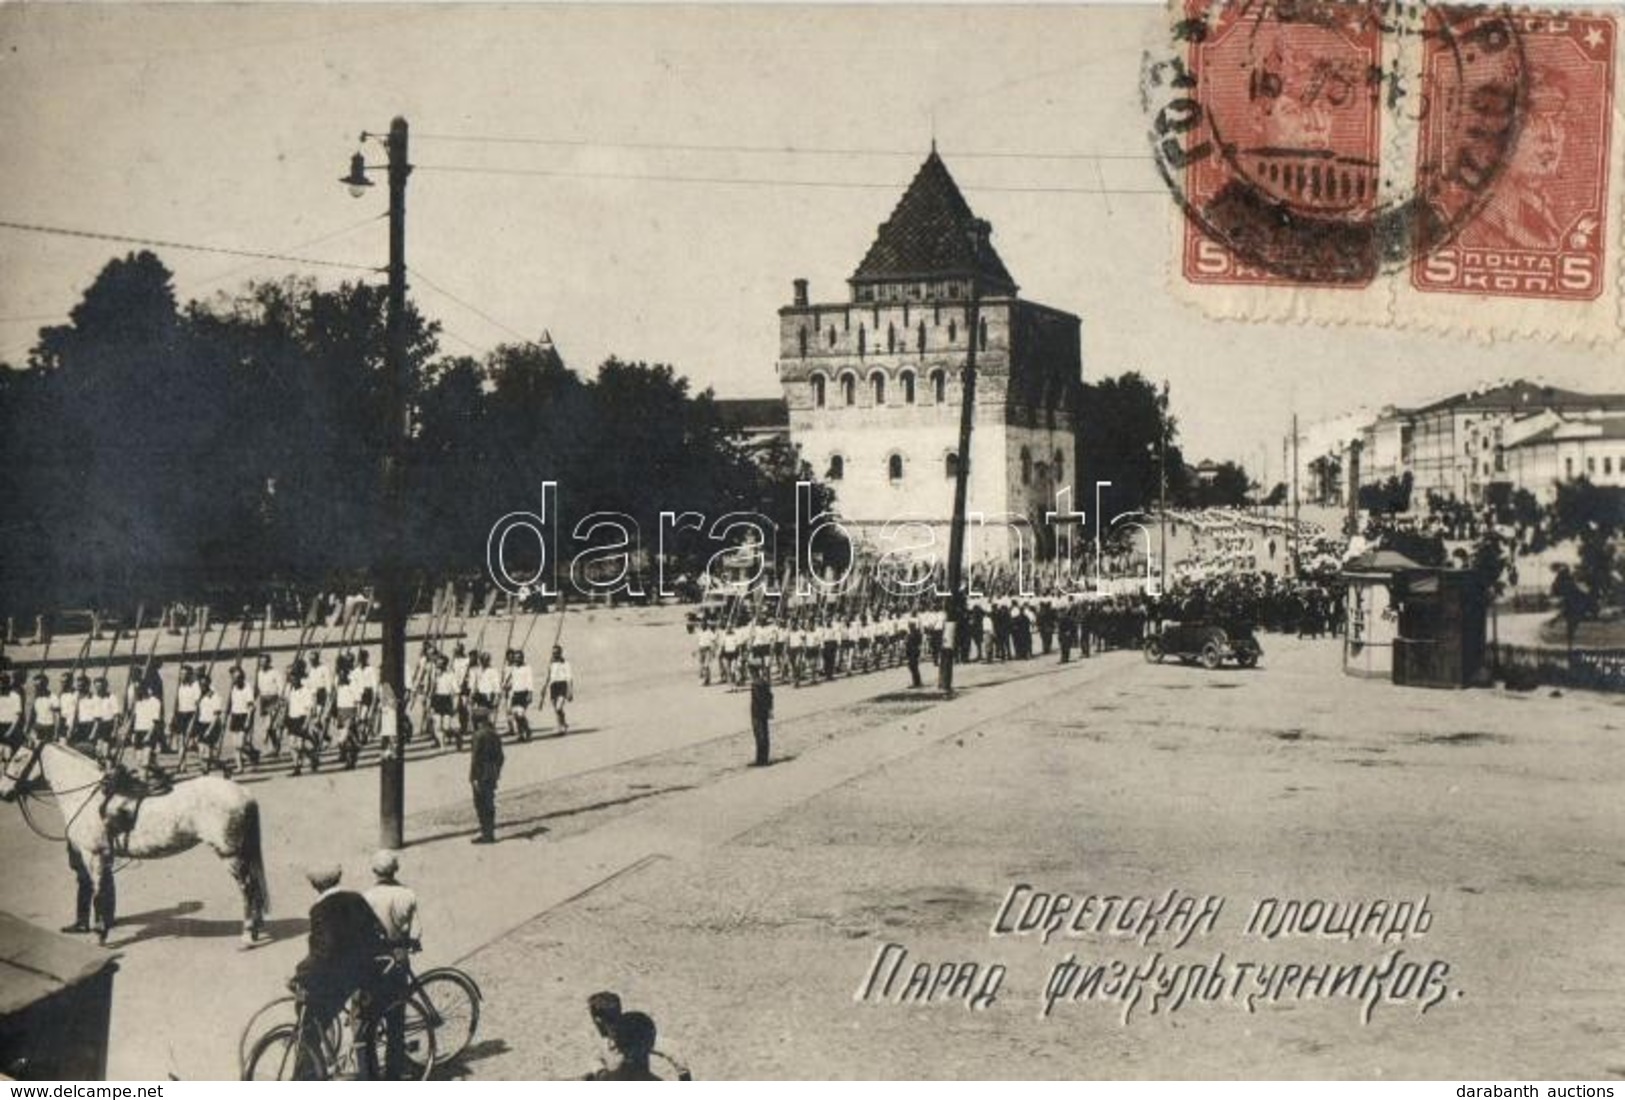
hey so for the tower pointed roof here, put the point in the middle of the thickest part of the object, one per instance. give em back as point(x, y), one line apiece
point(929, 235)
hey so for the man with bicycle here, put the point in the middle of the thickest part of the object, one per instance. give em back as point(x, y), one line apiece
point(348, 954)
point(396, 908)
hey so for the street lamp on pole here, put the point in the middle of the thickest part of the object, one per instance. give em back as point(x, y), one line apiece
point(391, 570)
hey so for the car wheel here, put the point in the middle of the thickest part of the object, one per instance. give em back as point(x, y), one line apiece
point(1211, 657)
point(1153, 650)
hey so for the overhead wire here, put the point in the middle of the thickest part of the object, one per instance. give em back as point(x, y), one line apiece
point(471, 307)
point(191, 284)
point(776, 150)
point(183, 246)
point(758, 181)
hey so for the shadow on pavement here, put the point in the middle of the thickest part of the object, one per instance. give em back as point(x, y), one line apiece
point(458, 1069)
point(174, 923)
point(504, 828)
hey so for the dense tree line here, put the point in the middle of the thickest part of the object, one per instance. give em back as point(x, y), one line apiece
point(1122, 424)
point(156, 450)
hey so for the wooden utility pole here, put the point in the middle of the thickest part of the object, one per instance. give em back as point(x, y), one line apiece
point(967, 416)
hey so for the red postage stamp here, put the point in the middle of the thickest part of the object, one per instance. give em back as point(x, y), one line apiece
point(1443, 166)
point(1294, 118)
point(1543, 231)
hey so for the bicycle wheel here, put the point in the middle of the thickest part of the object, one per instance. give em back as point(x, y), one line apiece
point(417, 1042)
point(276, 1058)
point(456, 1003)
point(260, 1018)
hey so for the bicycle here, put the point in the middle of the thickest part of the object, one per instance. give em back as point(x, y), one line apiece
point(445, 1001)
point(355, 1045)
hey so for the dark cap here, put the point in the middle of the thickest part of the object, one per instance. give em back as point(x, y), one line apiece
point(634, 1035)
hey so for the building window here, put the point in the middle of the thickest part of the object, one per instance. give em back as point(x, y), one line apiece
point(863, 340)
point(1026, 466)
point(953, 331)
point(877, 388)
point(849, 390)
point(950, 465)
point(818, 391)
point(919, 338)
point(939, 387)
point(1591, 464)
point(832, 336)
point(802, 335)
point(1607, 465)
point(908, 387)
point(894, 467)
point(891, 338)
point(1060, 467)
point(1568, 467)
point(982, 339)
point(837, 468)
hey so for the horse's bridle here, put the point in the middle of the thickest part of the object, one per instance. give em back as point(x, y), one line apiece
point(22, 794)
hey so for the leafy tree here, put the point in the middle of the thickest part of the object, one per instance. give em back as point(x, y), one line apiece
point(1120, 423)
point(1229, 487)
point(1594, 516)
point(1389, 497)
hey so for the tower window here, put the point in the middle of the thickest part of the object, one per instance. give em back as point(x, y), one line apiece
point(877, 388)
point(832, 336)
point(919, 338)
point(818, 391)
point(982, 339)
point(908, 387)
point(1026, 466)
point(939, 387)
point(891, 338)
point(863, 339)
point(1060, 467)
point(837, 468)
point(894, 467)
point(849, 390)
point(950, 465)
point(802, 338)
point(953, 331)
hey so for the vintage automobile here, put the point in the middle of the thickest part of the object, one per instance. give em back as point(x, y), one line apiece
point(1209, 643)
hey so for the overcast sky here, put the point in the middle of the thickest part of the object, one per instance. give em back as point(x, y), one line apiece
point(229, 127)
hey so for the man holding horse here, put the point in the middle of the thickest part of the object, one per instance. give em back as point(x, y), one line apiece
point(11, 718)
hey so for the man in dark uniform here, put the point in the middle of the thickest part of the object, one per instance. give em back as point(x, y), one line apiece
point(484, 770)
point(911, 651)
point(761, 711)
point(1046, 624)
point(1068, 623)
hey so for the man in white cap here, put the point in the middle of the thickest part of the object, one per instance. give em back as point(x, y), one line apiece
point(397, 911)
point(396, 905)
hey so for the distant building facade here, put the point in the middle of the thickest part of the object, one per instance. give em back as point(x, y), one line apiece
point(873, 382)
point(1486, 444)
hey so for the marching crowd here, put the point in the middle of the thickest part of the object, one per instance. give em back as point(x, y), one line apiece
point(807, 647)
point(308, 709)
point(812, 647)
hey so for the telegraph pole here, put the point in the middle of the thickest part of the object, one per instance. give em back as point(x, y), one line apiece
point(392, 670)
point(967, 416)
point(1295, 548)
point(391, 577)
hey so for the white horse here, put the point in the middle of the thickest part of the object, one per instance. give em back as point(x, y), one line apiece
point(207, 810)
